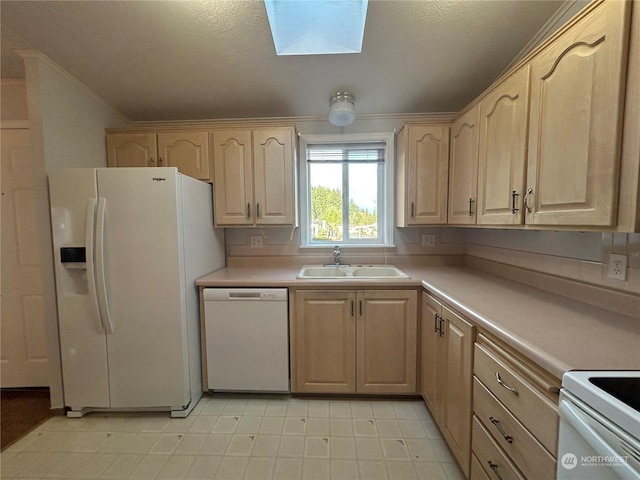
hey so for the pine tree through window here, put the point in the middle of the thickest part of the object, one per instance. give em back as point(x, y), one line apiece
point(346, 188)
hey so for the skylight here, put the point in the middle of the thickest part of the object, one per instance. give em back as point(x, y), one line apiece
point(316, 27)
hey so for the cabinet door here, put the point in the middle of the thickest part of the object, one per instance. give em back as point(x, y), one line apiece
point(386, 341)
point(457, 386)
point(325, 341)
point(432, 354)
point(273, 159)
point(463, 169)
point(233, 178)
point(576, 111)
point(131, 150)
point(427, 170)
point(189, 151)
point(503, 151)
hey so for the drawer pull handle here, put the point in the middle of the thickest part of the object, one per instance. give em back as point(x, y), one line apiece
point(511, 389)
point(435, 323)
point(441, 326)
point(494, 467)
point(496, 422)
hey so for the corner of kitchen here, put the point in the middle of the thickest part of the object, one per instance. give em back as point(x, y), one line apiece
point(246, 290)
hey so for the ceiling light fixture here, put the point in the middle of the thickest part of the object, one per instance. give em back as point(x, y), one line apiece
point(342, 109)
point(317, 27)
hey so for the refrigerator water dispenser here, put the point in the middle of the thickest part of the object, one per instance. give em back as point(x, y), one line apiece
point(74, 260)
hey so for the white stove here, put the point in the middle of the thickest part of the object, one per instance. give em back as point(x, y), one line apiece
point(599, 426)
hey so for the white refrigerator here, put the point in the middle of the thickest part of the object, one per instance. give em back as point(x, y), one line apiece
point(128, 245)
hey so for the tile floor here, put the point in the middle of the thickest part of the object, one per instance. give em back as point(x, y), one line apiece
point(238, 437)
point(21, 410)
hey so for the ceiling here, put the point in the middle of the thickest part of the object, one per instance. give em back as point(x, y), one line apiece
point(189, 60)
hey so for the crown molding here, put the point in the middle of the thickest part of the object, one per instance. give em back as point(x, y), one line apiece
point(73, 80)
point(404, 117)
point(555, 22)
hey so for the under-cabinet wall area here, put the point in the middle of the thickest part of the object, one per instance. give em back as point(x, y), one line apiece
point(581, 256)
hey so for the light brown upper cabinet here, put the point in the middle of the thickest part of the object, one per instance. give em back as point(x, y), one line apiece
point(254, 177)
point(503, 151)
point(422, 160)
point(463, 168)
point(188, 151)
point(132, 150)
point(577, 90)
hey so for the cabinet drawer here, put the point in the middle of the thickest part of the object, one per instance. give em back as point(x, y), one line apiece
point(525, 451)
point(477, 472)
point(536, 412)
point(492, 458)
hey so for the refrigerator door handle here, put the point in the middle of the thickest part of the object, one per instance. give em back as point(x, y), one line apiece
point(103, 302)
point(90, 262)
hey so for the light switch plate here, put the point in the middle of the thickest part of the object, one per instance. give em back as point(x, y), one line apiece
point(618, 267)
point(256, 241)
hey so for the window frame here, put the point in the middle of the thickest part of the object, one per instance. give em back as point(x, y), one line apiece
point(386, 185)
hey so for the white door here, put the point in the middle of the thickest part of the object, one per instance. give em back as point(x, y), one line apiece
point(24, 360)
point(148, 356)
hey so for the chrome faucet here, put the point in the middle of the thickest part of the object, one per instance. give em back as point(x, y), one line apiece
point(336, 255)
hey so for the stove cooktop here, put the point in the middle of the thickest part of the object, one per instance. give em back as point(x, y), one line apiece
point(625, 389)
point(613, 394)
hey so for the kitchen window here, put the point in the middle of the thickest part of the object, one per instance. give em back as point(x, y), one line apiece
point(346, 182)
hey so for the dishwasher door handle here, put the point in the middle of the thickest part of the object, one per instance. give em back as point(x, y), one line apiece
point(243, 295)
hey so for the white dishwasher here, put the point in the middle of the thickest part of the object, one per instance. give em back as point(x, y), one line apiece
point(247, 339)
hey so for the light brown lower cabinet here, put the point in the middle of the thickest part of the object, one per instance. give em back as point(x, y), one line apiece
point(447, 371)
point(477, 472)
point(515, 407)
point(354, 341)
point(492, 458)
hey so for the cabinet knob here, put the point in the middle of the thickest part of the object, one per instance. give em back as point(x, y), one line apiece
point(159, 161)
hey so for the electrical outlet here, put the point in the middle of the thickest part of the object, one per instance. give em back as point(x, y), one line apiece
point(428, 240)
point(618, 267)
point(256, 241)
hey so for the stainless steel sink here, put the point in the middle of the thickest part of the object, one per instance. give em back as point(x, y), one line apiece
point(351, 271)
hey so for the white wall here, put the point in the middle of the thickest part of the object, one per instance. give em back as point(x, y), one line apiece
point(67, 124)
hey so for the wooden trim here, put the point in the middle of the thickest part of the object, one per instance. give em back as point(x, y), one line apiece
point(629, 193)
point(15, 124)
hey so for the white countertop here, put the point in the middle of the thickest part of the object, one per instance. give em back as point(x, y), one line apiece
point(558, 333)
